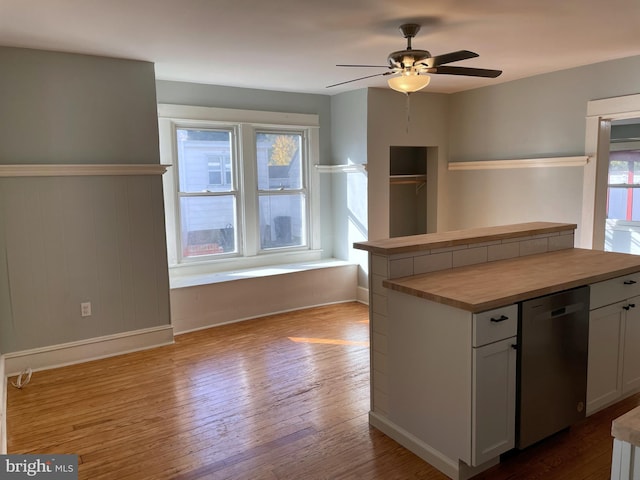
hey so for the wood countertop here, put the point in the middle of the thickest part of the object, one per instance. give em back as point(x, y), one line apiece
point(453, 238)
point(627, 427)
point(485, 286)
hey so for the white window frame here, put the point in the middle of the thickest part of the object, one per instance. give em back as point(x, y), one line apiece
point(247, 122)
point(304, 189)
point(235, 181)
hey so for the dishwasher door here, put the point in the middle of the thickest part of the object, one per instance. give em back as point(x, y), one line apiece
point(553, 340)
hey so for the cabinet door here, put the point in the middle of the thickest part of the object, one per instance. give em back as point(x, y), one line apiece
point(631, 365)
point(604, 373)
point(494, 400)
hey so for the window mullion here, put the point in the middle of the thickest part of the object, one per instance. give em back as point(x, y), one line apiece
point(249, 185)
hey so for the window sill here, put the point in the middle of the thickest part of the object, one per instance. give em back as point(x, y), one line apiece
point(185, 280)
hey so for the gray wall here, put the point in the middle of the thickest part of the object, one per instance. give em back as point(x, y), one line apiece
point(195, 94)
point(422, 123)
point(63, 108)
point(349, 190)
point(537, 117)
point(67, 240)
point(541, 116)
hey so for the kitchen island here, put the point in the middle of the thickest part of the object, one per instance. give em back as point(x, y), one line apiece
point(442, 369)
point(625, 464)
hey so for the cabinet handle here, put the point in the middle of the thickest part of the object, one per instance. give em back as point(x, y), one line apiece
point(514, 346)
point(501, 319)
point(631, 305)
point(629, 282)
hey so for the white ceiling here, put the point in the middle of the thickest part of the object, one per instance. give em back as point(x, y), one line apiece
point(294, 45)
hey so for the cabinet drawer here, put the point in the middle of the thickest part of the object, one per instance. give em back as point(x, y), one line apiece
point(494, 325)
point(614, 290)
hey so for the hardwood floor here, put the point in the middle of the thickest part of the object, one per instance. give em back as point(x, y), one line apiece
point(281, 397)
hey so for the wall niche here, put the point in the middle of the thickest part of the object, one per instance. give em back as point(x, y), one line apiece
point(407, 191)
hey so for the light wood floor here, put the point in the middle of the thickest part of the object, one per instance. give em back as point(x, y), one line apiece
point(281, 397)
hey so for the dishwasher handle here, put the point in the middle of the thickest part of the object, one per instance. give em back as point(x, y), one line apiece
point(562, 311)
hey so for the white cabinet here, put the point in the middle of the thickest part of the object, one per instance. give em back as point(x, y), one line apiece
point(604, 382)
point(452, 378)
point(631, 347)
point(494, 400)
point(614, 334)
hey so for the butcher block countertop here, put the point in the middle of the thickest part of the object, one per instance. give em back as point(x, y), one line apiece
point(485, 286)
point(627, 427)
point(429, 241)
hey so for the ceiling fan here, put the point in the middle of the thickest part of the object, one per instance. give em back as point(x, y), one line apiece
point(412, 67)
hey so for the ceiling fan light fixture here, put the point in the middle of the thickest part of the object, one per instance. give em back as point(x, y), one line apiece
point(409, 83)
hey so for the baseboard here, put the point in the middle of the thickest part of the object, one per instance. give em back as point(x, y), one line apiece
point(84, 350)
point(451, 468)
point(3, 408)
point(362, 295)
point(599, 404)
point(417, 446)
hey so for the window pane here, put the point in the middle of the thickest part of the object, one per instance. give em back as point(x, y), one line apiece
point(204, 159)
point(624, 167)
point(617, 203)
point(635, 205)
point(279, 161)
point(282, 221)
point(208, 225)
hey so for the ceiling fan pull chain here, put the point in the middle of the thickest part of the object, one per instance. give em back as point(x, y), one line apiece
point(408, 112)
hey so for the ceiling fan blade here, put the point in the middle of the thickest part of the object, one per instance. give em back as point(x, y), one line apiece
point(373, 66)
point(360, 78)
point(450, 57)
point(466, 71)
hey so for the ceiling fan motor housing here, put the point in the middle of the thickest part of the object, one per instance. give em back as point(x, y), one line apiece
point(407, 58)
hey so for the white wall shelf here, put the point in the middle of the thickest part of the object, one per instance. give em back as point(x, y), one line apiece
point(68, 170)
point(351, 168)
point(521, 163)
point(405, 179)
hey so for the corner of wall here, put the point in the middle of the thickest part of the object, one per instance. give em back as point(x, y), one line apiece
point(362, 295)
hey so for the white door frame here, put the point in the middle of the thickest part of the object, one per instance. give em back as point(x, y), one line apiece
point(600, 113)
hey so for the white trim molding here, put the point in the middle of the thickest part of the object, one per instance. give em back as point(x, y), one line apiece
point(73, 170)
point(600, 113)
point(193, 114)
point(627, 106)
point(580, 161)
point(90, 349)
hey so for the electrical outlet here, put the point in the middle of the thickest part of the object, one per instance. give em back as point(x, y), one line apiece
point(85, 309)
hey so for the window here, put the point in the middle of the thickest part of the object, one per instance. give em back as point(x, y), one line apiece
point(208, 195)
point(622, 224)
point(281, 189)
point(623, 195)
point(240, 189)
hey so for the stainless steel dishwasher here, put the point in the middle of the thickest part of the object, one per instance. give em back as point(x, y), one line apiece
point(553, 340)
